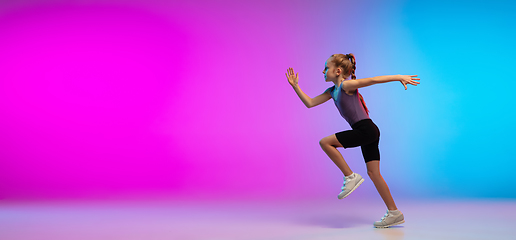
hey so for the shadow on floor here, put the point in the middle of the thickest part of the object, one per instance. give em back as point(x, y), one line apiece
point(333, 221)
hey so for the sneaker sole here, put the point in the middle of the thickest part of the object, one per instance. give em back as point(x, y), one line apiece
point(386, 226)
point(356, 186)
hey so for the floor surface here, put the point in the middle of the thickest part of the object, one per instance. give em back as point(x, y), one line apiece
point(246, 220)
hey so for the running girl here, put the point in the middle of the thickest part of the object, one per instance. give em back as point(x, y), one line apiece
point(340, 69)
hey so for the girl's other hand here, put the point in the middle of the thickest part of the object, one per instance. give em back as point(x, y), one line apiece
point(292, 78)
point(409, 79)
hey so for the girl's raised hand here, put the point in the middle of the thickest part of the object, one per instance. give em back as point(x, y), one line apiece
point(292, 78)
point(409, 79)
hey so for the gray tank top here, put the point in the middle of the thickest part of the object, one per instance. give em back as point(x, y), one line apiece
point(349, 106)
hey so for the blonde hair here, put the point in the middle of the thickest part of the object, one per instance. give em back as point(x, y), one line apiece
point(348, 64)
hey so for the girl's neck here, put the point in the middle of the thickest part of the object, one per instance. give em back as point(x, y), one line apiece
point(337, 82)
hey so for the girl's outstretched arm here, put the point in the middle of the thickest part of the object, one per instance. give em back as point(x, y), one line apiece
point(309, 102)
point(351, 85)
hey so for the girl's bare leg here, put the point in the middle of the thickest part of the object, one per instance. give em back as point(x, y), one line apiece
point(329, 145)
point(373, 170)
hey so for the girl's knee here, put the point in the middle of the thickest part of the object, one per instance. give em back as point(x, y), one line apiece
point(323, 142)
point(373, 173)
point(330, 141)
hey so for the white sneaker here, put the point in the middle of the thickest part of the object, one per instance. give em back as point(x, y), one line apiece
point(390, 219)
point(351, 183)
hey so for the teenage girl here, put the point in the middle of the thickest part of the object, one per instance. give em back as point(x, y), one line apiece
point(338, 69)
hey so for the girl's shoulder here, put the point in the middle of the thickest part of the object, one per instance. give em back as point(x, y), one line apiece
point(349, 93)
point(330, 89)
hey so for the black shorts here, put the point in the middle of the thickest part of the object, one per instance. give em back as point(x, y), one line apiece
point(364, 134)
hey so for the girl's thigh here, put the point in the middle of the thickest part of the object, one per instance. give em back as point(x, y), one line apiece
point(371, 152)
point(351, 138)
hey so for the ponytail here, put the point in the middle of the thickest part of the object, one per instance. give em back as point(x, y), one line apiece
point(351, 58)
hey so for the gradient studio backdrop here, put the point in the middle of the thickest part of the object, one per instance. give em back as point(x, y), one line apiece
point(189, 98)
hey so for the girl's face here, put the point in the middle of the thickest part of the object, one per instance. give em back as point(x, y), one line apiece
point(330, 72)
